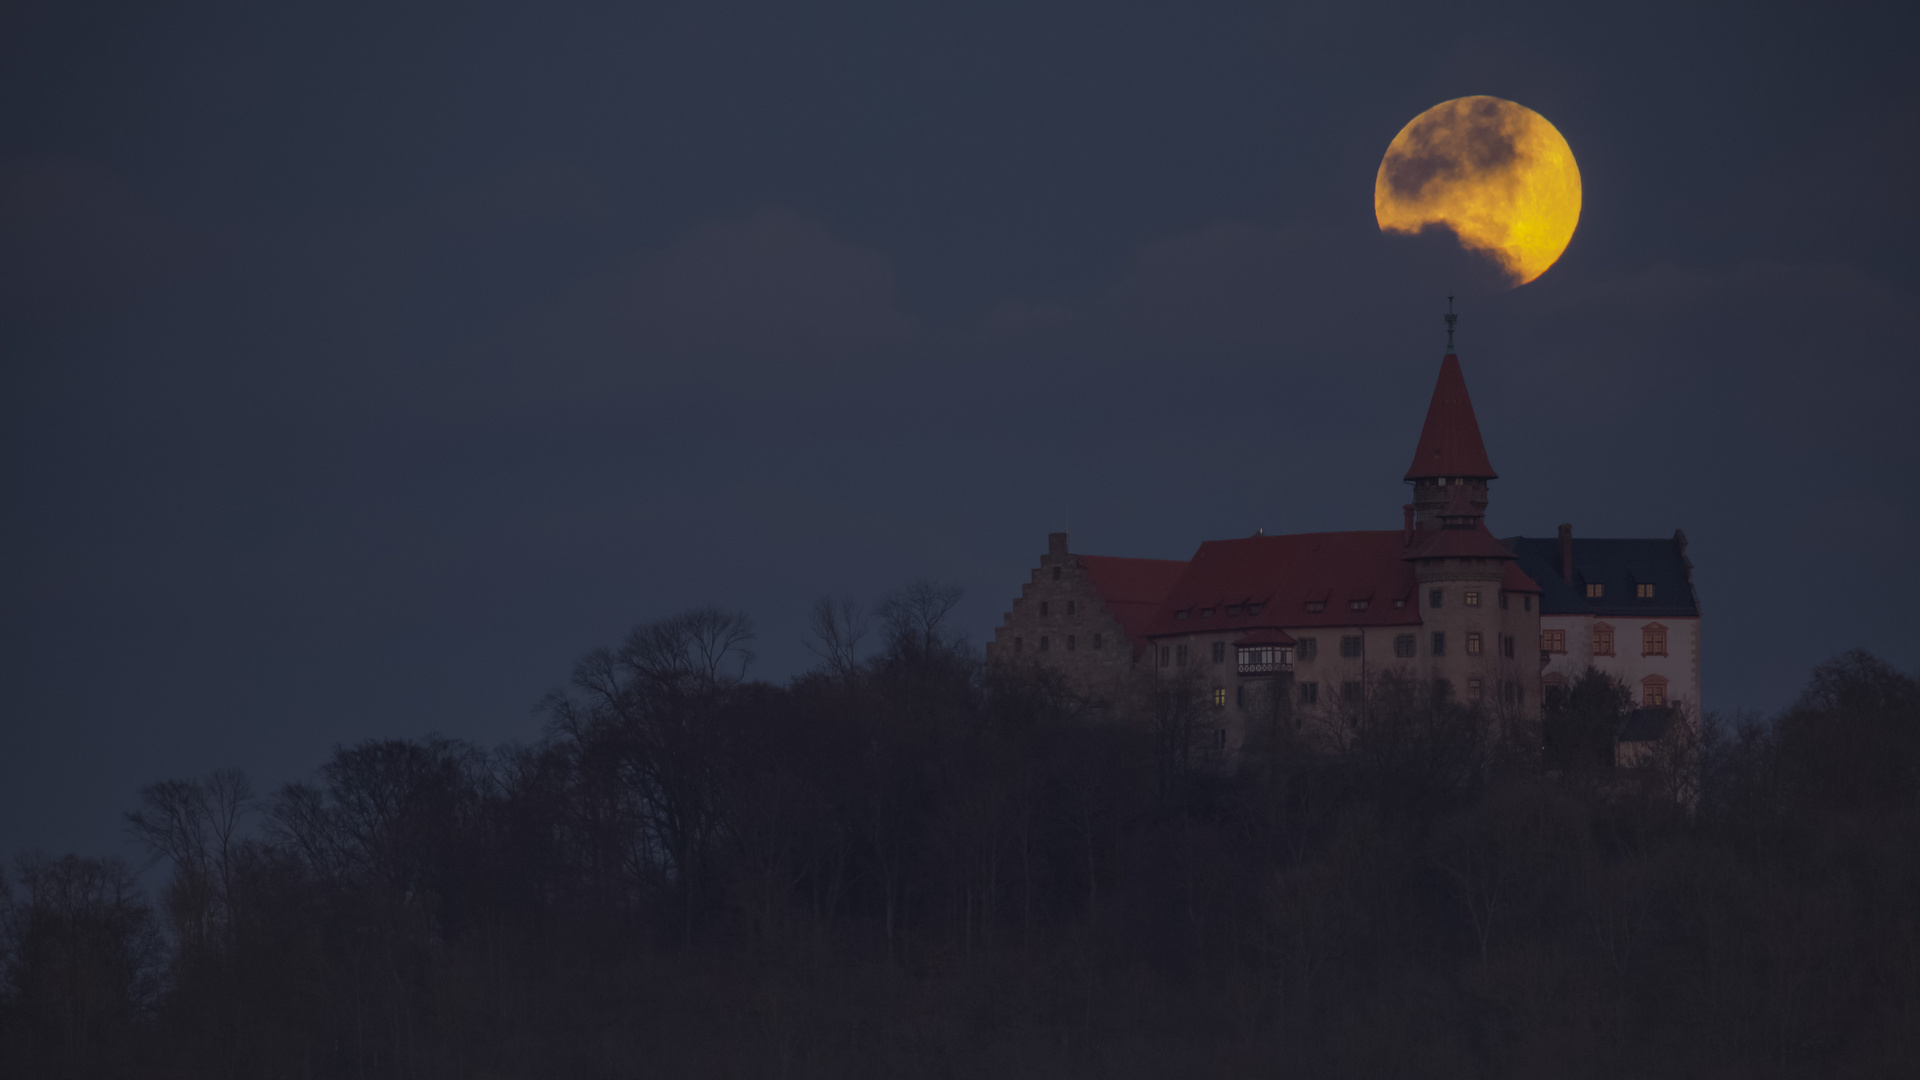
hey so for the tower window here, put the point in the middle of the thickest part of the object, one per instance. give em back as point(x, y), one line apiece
point(1439, 643)
point(1503, 599)
point(1350, 645)
point(1043, 609)
point(1018, 645)
point(1240, 697)
point(1219, 697)
point(1526, 602)
point(1309, 693)
point(1434, 596)
point(1553, 640)
point(1595, 590)
point(1309, 649)
point(1403, 645)
point(1056, 573)
point(1473, 599)
point(1473, 643)
point(1219, 652)
point(1643, 592)
point(1220, 735)
point(1506, 646)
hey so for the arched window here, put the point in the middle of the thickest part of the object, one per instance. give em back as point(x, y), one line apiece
point(1653, 691)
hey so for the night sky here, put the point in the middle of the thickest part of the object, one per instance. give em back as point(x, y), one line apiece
point(362, 366)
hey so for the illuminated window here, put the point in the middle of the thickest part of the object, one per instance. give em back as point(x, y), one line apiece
point(1653, 691)
point(1595, 591)
point(1309, 693)
point(1439, 643)
point(1553, 640)
point(1602, 639)
point(1351, 646)
point(1643, 592)
point(1219, 697)
point(1434, 596)
point(1473, 643)
point(1473, 599)
point(1403, 645)
point(1219, 652)
point(1653, 640)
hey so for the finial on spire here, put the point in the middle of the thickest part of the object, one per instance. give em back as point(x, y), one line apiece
point(1451, 319)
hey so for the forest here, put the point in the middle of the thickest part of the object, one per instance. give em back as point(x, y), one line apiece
point(906, 863)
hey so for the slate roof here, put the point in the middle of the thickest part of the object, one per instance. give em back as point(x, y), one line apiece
point(1617, 564)
point(1132, 588)
point(1450, 443)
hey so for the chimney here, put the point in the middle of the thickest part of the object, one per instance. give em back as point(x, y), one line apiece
point(1566, 554)
point(1406, 525)
point(1056, 543)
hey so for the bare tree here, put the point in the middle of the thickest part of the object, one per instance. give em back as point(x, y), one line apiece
point(196, 825)
point(914, 619)
point(834, 633)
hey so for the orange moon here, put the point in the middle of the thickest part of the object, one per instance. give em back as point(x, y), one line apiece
point(1496, 173)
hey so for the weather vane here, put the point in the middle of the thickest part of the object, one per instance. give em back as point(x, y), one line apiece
point(1451, 319)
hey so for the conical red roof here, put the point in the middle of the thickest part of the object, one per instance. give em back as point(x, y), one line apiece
point(1450, 442)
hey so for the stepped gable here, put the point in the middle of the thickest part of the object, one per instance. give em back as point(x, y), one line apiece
point(1450, 444)
point(1132, 589)
point(1282, 575)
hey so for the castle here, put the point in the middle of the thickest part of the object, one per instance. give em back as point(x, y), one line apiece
point(1323, 618)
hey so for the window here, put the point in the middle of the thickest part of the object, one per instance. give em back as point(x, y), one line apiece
point(1265, 659)
point(1473, 643)
point(1309, 693)
point(1643, 592)
point(1018, 644)
point(1506, 646)
point(1653, 692)
point(1043, 643)
point(1219, 652)
point(1309, 648)
point(1069, 642)
point(1526, 602)
point(1503, 599)
point(1240, 697)
point(1180, 656)
point(1165, 654)
point(1400, 603)
point(1220, 736)
point(1069, 607)
point(1403, 645)
point(1602, 639)
point(1349, 691)
point(1181, 614)
point(1507, 691)
point(1439, 643)
point(1043, 608)
point(1316, 605)
point(1206, 613)
point(1434, 596)
point(1351, 645)
point(1653, 640)
point(1553, 641)
point(1253, 609)
point(1474, 689)
point(1096, 641)
point(1595, 590)
point(1056, 573)
point(1473, 599)
point(1219, 697)
point(1357, 605)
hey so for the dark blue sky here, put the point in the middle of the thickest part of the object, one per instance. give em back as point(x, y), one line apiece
point(361, 367)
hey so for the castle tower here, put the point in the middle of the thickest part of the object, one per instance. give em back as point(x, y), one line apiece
point(1450, 452)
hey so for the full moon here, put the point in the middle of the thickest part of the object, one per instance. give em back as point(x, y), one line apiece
point(1496, 173)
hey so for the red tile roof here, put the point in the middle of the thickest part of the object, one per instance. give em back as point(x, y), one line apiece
point(1132, 588)
point(1450, 440)
point(1282, 574)
point(1266, 636)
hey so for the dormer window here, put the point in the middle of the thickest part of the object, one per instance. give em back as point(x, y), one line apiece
point(1181, 614)
point(1595, 590)
point(1233, 609)
point(1643, 592)
point(1316, 605)
point(1400, 603)
point(1357, 605)
point(1206, 613)
point(1253, 609)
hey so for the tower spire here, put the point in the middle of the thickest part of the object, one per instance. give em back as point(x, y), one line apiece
point(1451, 319)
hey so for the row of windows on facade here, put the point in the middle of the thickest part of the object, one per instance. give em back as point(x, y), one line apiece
point(1435, 598)
point(1653, 688)
point(1354, 646)
point(1510, 692)
point(1046, 642)
point(1653, 640)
